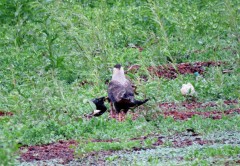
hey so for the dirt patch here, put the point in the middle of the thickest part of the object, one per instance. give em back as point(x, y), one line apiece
point(193, 105)
point(170, 71)
point(175, 110)
point(59, 150)
point(187, 138)
point(5, 113)
point(175, 141)
point(181, 140)
point(184, 115)
point(185, 110)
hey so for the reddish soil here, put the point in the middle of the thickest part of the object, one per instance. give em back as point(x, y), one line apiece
point(60, 150)
point(171, 72)
point(175, 110)
point(193, 105)
point(180, 140)
point(5, 113)
point(172, 109)
point(184, 115)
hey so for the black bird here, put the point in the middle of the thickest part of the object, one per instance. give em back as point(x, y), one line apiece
point(100, 107)
point(121, 93)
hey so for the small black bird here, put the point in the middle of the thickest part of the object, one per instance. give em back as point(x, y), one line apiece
point(100, 107)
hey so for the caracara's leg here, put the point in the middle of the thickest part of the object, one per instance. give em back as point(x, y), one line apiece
point(119, 116)
point(111, 110)
point(122, 116)
point(124, 113)
point(117, 112)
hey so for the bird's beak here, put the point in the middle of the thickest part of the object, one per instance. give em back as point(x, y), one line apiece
point(93, 100)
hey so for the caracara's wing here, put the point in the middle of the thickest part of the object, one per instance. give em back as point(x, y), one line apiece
point(133, 86)
point(118, 92)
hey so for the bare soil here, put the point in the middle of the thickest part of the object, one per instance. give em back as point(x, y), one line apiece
point(193, 105)
point(172, 109)
point(60, 150)
point(171, 72)
point(184, 115)
point(5, 113)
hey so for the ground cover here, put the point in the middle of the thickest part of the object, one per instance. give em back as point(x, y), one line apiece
point(57, 55)
point(63, 153)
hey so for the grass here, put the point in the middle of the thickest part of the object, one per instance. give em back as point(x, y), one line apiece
point(195, 155)
point(85, 148)
point(49, 48)
point(227, 150)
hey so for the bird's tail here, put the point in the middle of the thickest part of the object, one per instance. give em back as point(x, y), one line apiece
point(138, 102)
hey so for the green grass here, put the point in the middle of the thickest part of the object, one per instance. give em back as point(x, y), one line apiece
point(49, 48)
point(85, 148)
point(227, 150)
point(194, 155)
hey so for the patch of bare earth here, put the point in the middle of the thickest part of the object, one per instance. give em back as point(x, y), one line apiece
point(5, 113)
point(172, 71)
point(180, 140)
point(172, 109)
point(186, 110)
point(58, 150)
point(193, 105)
point(62, 151)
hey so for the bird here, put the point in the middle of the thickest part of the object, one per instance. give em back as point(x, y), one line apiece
point(121, 94)
point(189, 92)
point(100, 106)
point(187, 89)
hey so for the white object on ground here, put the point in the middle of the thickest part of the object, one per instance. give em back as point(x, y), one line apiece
point(187, 89)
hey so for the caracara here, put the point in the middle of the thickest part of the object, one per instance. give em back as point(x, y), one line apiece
point(121, 94)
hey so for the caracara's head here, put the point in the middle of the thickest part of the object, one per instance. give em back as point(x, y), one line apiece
point(118, 73)
point(118, 69)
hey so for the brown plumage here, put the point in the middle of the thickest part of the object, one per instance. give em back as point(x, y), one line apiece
point(121, 94)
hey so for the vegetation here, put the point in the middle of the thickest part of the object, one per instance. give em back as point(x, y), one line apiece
point(57, 55)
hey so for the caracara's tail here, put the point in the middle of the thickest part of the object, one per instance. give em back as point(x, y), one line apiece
point(138, 102)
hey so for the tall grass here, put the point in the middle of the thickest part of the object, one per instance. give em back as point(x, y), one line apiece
point(50, 49)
